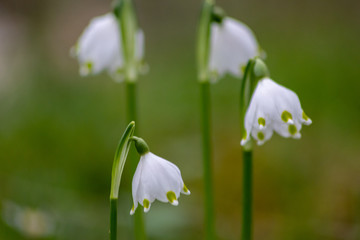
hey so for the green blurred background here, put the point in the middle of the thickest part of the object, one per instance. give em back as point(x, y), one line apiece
point(59, 132)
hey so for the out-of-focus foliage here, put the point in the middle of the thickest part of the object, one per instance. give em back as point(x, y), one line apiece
point(58, 131)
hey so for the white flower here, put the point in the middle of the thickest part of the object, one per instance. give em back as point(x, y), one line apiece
point(273, 107)
point(232, 45)
point(99, 47)
point(156, 178)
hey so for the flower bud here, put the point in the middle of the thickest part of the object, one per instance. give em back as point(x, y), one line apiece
point(140, 145)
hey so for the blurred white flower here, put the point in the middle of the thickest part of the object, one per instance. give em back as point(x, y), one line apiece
point(99, 48)
point(156, 178)
point(32, 223)
point(273, 107)
point(232, 45)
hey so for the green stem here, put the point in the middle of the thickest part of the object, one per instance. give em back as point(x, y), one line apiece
point(113, 218)
point(131, 102)
point(247, 88)
point(247, 196)
point(203, 40)
point(207, 162)
point(118, 166)
point(139, 228)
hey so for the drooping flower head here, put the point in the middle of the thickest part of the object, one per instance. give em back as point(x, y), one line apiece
point(99, 48)
point(155, 178)
point(273, 108)
point(232, 45)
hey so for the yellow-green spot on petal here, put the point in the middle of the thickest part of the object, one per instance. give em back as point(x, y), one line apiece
point(260, 136)
point(146, 203)
point(285, 116)
point(244, 135)
point(133, 208)
point(292, 129)
point(120, 71)
point(185, 189)
point(261, 121)
point(171, 196)
point(304, 116)
point(243, 68)
point(89, 65)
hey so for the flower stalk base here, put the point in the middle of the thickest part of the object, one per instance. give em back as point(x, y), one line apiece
point(113, 218)
point(247, 196)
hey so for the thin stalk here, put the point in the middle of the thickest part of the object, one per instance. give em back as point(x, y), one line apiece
point(203, 40)
point(139, 228)
point(246, 90)
point(113, 218)
point(207, 160)
point(131, 109)
point(247, 196)
point(125, 12)
point(117, 170)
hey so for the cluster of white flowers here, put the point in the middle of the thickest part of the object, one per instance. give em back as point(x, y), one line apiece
point(232, 44)
point(272, 106)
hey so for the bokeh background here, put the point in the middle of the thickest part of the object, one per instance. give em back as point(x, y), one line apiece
point(59, 132)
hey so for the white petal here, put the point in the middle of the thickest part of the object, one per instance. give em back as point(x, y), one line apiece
point(140, 45)
point(99, 44)
point(168, 177)
point(232, 45)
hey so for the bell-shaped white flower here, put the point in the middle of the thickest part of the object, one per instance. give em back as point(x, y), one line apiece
point(99, 47)
point(156, 178)
point(273, 108)
point(232, 45)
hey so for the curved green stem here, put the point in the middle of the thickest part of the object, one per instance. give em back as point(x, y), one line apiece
point(117, 169)
point(207, 161)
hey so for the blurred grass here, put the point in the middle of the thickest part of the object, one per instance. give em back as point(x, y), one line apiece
point(58, 131)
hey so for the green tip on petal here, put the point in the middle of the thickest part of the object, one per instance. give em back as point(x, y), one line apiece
point(146, 204)
point(304, 116)
point(132, 211)
point(261, 136)
point(170, 195)
point(244, 135)
point(292, 129)
point(261, 121)
point(185, 190)
point(286, 116)
point(89, 65)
